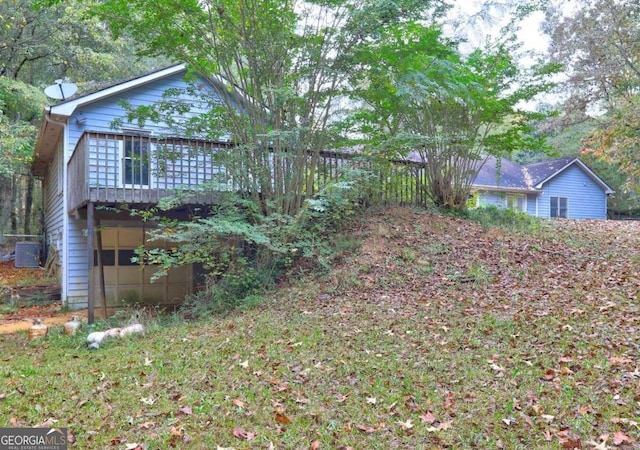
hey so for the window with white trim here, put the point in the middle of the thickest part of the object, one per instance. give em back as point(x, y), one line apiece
point(136, 159)
point(559, 207)
point(515, 202)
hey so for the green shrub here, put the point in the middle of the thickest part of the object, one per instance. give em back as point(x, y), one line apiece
point(244, 251)
point(491, 215)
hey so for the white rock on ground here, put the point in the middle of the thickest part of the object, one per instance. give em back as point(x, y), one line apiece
point(96, 337)
point(132, 329)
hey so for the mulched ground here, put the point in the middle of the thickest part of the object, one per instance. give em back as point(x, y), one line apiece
point(18, 279)
point(22, 276)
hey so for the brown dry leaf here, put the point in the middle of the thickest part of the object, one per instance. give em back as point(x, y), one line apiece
point(448, 400)
point(567, 440)
point(618, 361)
point(146, 425)
point(282, 419)
point(428, 417)
point(564, 370)
point(185, 410)
point(445, 425)
point(315, 445)
point(620, 438)
point(549, 375)
point(607, 306)
point(239, 403)
point(571, 443)
point(366, 429)
point(241, 433)
point(584, 410)
point(407, 425)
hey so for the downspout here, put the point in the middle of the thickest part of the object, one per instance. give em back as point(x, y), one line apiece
point(65, 216)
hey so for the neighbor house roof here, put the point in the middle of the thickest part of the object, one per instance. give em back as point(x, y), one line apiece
point(502, 174)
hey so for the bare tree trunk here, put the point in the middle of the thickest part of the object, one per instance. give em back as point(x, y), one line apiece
point(28, 205)
point(14, 206)
point(5, 201)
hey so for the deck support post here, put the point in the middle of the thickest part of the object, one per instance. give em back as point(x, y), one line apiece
point(103, 294)
point(90, 294)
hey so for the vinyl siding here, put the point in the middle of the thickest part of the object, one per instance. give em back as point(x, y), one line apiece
point(585, 198)
point(487, 198)
point(99, 116)
point(77, 282)
point(531, 204)
point(53, 203)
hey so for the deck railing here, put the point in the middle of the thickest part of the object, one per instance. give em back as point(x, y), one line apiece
point(111, 168)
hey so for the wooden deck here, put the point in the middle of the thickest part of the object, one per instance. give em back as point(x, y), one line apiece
point(115, 169)
point(111, 168)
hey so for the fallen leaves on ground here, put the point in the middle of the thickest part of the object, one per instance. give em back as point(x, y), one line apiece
point(435, 333)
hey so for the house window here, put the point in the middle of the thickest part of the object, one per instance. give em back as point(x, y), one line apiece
point(135, 161)
point(515, 202)
point(559, 207)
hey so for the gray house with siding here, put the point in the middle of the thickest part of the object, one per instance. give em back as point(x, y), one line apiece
point(92, 160)
point(564, 187)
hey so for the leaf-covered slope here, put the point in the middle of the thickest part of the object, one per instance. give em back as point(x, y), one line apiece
point(437, 334)
point(419, 255)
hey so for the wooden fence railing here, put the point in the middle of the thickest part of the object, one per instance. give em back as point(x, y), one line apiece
point(141, 169)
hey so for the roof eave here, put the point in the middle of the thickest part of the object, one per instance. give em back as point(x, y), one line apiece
point(67, 108)
point(46, 141)
point(504, 189)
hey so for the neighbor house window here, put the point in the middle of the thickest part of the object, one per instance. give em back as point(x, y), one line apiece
point(515, 202)
point(135, 161)
point(559, 207)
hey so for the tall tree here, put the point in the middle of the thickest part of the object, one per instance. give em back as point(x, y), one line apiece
point(20, 104)
point(423, 96)
point(599, 43)
point(288, 60)
point(39, 44)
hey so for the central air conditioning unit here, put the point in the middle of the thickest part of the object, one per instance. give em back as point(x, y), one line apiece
point(27, 254)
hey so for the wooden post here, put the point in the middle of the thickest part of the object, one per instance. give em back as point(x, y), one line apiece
point(103, 294)
point(90, 231)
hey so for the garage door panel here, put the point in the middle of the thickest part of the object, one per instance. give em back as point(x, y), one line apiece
point(128, 283)
point(109, 238)
point(129, 237)
point(176, 293)
point(179, 275)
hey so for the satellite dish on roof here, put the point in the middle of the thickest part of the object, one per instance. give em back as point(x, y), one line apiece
point(61, 90)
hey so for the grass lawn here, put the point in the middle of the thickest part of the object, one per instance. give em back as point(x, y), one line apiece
point(436, 333)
